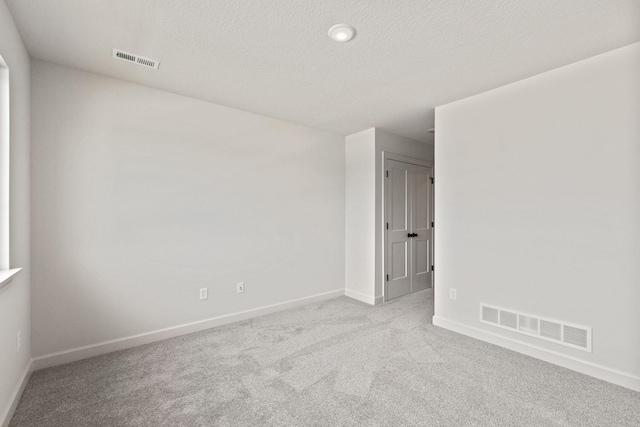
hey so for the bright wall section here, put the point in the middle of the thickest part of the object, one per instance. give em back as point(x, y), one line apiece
point(538, 211)
point(360, 237)
point(142, 197)
point(15, 305)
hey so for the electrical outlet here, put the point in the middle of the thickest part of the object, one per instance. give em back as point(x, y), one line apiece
point(453, 294)
point(18, 341)
point(204, 293)
point(240, 287)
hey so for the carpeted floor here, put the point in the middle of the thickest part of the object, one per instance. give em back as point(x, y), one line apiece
point(336, 363)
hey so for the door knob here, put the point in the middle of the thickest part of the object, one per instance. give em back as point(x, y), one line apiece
point(412, 235)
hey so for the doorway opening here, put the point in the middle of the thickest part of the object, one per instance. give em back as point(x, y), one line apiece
point(408, 226)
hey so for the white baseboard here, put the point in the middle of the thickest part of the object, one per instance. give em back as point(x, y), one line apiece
point(6, 416)
point(85, 352)
point(604, 373)
point(379, 299)
point(368, 299)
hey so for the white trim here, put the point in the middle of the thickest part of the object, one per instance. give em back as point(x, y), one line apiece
point(5, 419)
point(379, 299)
point(7, 275)
point(604, 373)
point(405, 159)
point(368, 299)
point(84, 352)
point(5, 170)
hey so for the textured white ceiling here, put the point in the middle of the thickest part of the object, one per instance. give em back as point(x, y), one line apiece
point(274, 57)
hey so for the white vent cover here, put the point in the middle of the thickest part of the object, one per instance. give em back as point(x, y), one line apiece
point(490, 314)
point(136, 59)
point(574, 336)
point(508, 319)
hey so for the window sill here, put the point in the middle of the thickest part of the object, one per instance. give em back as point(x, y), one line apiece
point(7, 275)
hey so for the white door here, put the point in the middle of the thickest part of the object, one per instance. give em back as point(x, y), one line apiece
point(409, 228)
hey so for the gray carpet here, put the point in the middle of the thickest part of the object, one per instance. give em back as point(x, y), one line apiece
point(336, 363)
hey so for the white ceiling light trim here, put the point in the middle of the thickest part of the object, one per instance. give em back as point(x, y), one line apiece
point(342, 33)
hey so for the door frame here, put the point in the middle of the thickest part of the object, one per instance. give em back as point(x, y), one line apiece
point(386, 156)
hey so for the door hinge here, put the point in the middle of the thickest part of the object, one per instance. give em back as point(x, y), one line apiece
point(433, 268)
point(387, 226)
point(432, 180)
point(387, 174)
point(431, 224)
point(387, 277)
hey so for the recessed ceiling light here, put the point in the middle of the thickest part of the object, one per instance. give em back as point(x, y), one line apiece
point(342, 32)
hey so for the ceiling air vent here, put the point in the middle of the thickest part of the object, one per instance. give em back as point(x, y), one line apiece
point(137, 59)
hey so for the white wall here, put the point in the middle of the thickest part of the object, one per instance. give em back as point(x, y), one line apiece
point(365, 150)
point(538, 210)
point(14, 298)
point(141, 197)
point(360, 237)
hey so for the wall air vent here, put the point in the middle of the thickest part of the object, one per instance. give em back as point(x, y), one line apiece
point(490, 315)
point(563, 333)
point(137, 59)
